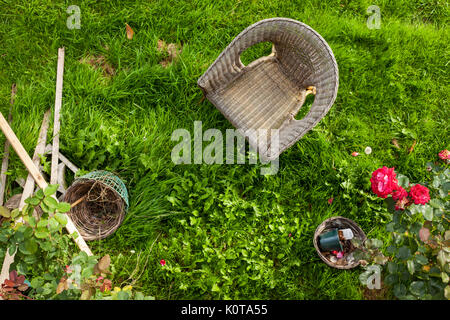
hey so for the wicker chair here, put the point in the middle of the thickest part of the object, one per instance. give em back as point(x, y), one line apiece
point(269, 92)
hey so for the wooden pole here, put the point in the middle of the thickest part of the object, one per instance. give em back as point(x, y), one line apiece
point(40, 148)
point(37, 176)
point(6, 152)
point(56, 122)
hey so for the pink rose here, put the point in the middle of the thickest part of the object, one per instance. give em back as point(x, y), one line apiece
point(419, 194)
point(384, 182)
point(444, 155)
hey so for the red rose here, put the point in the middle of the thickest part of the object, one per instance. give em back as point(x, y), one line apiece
point(162, 262)
point(384, 182)
point(399, 194)
point(419, 194)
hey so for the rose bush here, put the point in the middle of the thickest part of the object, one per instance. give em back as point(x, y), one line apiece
point(418, 262)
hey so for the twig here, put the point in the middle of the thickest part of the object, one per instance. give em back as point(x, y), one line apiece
point(6, 152)
point(78, 201)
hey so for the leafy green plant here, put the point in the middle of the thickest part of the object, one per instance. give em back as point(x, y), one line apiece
point(45, 254)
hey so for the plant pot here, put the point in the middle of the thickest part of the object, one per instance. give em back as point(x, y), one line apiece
point(337, 223)
point(329, 241)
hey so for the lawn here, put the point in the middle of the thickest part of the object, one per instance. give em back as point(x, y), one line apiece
point(226, 231)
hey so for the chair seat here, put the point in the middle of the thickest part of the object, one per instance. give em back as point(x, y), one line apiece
point(262, 97)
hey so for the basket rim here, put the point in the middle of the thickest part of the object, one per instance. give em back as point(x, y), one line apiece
point(87, 177)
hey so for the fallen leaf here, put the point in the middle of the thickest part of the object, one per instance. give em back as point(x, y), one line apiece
point(412, 147)
point(103, 264)
point(60, 288)
point(130, 32)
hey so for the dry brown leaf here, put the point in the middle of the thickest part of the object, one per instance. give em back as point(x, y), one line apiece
point(412, 147)
point(130, 32)
point(103, 264)
point(395, 143)
point(61, 287)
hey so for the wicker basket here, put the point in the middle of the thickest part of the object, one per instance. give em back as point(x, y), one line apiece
point(340, 223)
point(104, 205)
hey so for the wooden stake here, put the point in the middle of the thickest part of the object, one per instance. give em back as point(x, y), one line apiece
point(56, 123)
point(37, 176)
point(6, 152)
point(40, 148)
point(61, 178)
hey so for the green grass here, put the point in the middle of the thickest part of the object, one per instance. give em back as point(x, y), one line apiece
point(223, 230)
